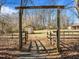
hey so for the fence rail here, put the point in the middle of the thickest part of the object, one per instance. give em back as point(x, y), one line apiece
point(64, 34)
point(12, 39)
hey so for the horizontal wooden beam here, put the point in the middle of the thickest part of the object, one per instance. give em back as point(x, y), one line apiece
point(40, 7)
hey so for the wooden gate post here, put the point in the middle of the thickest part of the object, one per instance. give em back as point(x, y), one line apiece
point(20, 27)
point(58, 30)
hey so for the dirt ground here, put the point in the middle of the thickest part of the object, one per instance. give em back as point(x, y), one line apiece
point(69, 48)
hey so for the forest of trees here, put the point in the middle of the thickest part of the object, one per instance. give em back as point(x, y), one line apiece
point(38, 19)
point(44, 19)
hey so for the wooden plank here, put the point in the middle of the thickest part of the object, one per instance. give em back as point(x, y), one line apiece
point(30, 46)
point(66, 37)
point(40, 7)
point(67, 30)
point(43, 46)
point(37, 47)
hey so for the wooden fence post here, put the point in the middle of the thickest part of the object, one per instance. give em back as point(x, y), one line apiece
point(50, 38)
point(26, 36)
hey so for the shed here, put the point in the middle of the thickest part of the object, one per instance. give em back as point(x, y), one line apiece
point(29, 29)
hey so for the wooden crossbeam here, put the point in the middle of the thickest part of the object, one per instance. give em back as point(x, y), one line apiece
point(40, 7)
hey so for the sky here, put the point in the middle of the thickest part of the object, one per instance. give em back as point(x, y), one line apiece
point(13, 3)
point(9, 6)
